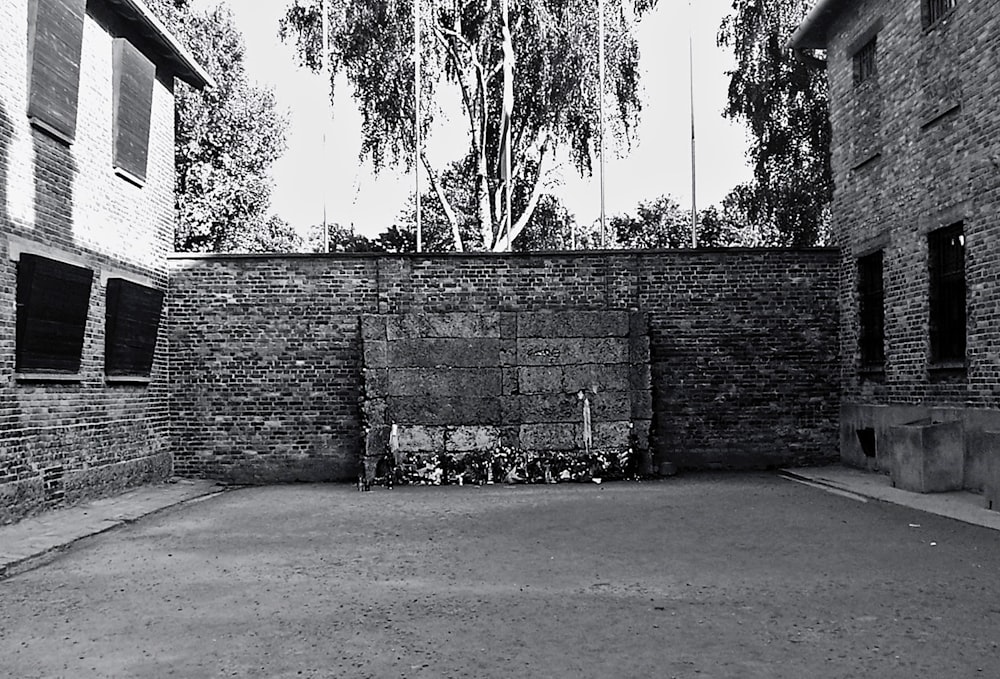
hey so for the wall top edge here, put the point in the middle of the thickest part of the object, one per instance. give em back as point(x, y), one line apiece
point(679, 252)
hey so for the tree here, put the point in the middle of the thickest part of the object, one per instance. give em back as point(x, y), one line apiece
point(276, 235)
point(783, 100)
point(663, 224)
point(555, 86)
point(340, 239)
point(226, 139)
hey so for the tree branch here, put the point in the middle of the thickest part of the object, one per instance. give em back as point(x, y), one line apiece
point(449, 211)
point(536, 194)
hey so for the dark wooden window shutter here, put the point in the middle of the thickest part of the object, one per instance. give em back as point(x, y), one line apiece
point(131, 323)
point(52, 302)
point(133, 105)
point(55, 40)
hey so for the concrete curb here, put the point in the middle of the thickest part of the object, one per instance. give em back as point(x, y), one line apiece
point(962, 505)
point(38, 540)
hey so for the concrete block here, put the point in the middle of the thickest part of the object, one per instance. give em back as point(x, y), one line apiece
point(564, 407)
point(608, 323)
point(640, 434)
point(638, 324)
point(638, 349)
point(508, 352)
point(377, 441)
point(611, 434)
point(640, 377)
point(373, 353)
point(372, 327)
point(443, 352)
point(641, 404)
point(421, 439)
point(510, 437)
point(991, 488)
point(424, 325)
point(927, 456)
point(563, 436)
point(453, 410)
point(571, 350)
point(509, 381)
point(471, 438)
point(473, 382)
point(376, 382)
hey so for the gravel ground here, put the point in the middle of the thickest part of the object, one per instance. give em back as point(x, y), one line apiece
point(700, 576)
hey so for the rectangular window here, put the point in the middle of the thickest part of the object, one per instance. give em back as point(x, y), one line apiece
point(132, 320)
point(52, 302)
point(55, 42)
point(133, 105)
point(946, 265)
point(865, 66)
point(871, 302)
point(935, 10)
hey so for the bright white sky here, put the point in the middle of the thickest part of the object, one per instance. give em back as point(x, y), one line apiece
point(659, 161)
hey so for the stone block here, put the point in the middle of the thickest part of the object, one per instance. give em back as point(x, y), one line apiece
point(564, 407)
point(509, 381)
point(641, 403)
point(373, 412)
point(454, 410)
point(508, 352)
point(638, 324)
point(640, 377)
point(473, 382)
point(571, 350)
point(510, 437)
point(443, 352)
point(508, 325)
point(927, 456)
point(608, 377)
point(539, 380)
point(471, 438)
point(638, 349)
point(421, 439)
point(424, 325)
point(374, 353)
point(552, 436)
point(377, 441)
point(640, 434)
point(372, 327)
point(606, 323)
point(376, 382)
point(611, 434)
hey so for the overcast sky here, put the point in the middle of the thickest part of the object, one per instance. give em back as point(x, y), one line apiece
point(659, 161)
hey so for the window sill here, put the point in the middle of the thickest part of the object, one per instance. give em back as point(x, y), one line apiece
point(872, 371)
point(47, 377)
point(867, 160)
point(127, 379)
point(44, 127)
point(129, 177)
point(939, 115)
point(946, 367)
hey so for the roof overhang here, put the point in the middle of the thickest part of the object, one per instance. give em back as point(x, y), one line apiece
point(163, 42)
point(813, 32)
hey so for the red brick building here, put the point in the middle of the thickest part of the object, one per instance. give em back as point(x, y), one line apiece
point(86, 221)
point(915, 110)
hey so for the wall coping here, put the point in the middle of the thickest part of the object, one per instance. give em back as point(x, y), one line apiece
point(675, 252)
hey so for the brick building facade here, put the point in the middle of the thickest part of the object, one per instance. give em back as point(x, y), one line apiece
point(914, 94)
point(86, 221)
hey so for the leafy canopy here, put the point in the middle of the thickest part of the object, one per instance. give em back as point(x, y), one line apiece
point(555, 87)
point(783, 101)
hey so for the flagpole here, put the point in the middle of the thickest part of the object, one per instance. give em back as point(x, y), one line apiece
point(417, 118)
point(694, 178)
point(506, 119)
point(325, 70)
point(600, 59)
point(510, 177)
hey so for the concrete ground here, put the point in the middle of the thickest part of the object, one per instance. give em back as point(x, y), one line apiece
point(699, 576)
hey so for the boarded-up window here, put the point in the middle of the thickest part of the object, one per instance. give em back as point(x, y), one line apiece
point(55, 40)
point(133, 97)
point(52, 302)
point(131, 324)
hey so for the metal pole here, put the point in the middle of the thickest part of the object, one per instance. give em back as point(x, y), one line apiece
point(600, 59)
point(325, 70)
point(694, 184)
point(417, 119)
point(506, 147)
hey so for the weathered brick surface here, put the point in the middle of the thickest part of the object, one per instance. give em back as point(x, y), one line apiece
point(932, 116)
point(65, 202)
point(742, 349)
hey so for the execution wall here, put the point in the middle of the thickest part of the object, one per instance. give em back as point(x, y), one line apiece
point(266, 351)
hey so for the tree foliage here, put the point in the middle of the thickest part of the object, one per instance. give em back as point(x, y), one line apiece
point(555, 87)
point(783, 101)
point(662, 224)
point(226, 139)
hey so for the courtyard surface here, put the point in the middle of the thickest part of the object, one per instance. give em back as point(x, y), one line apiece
point(700, 576)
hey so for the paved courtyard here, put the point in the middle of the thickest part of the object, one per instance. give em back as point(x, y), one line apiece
point(701, 576)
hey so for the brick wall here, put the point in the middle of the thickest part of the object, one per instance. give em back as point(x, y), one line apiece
point(266, 357)
point(933, 119)
point(65, 202)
